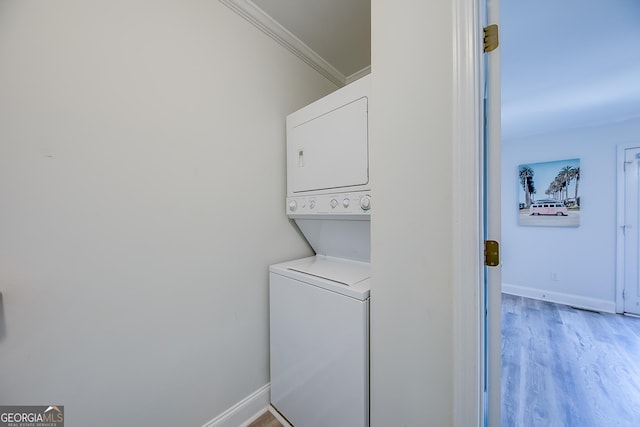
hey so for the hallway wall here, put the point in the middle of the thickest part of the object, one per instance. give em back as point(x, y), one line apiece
point(142, 187)
point(411, 243)
point(583, 258)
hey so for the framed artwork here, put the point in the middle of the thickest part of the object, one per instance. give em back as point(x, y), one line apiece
point(548, 194)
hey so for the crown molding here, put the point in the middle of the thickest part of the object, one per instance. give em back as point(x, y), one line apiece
point(260, 19)
point(358, 74)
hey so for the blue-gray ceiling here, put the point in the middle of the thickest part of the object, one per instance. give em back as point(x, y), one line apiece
point(568, 64)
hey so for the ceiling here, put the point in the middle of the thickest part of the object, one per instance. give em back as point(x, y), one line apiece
point(564, 64)
point(332, 36)
point(338, 30)
point(568, 64)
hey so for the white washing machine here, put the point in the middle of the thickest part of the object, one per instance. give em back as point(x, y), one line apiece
point(319, 325)
point(319, 306)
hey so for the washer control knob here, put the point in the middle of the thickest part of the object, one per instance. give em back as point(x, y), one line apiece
point(365, 202)
point(312, 204)
point(293, 205)
point(345, 202)
point(333, 203)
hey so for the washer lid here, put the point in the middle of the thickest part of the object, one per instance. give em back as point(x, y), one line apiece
point(339, 270)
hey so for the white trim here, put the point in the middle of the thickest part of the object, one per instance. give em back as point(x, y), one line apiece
point(260, 19)
point(244, 412)
point(560, 298)
point(467, 274)
point(620, 222)
point(493, 207)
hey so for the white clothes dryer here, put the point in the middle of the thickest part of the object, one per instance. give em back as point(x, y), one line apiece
point(319, 306)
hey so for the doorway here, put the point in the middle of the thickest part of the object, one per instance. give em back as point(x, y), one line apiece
point(628, 250)
point(565, 270)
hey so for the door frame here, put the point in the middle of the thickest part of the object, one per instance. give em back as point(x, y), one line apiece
point(621, 148)
point(470, 405)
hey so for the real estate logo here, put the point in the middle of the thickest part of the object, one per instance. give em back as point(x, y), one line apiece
point(32, 416)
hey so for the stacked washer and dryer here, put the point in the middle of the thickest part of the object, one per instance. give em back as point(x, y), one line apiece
point(319, 306)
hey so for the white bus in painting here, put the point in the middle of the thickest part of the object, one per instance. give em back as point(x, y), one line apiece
point(548, 207)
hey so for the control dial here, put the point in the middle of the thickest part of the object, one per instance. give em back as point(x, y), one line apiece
point(293, 205)
point(345, 202)
point(365, 202)
point(333, 203)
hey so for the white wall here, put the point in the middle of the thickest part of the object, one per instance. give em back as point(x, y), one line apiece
point(583, 258)
point(141, 201)
point(411, 161)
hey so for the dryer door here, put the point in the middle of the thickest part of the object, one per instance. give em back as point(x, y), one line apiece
point(329, 151)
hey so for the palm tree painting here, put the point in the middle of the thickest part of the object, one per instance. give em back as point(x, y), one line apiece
point(548, 193)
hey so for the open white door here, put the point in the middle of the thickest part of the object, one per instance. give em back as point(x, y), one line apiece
point(492, 224)
point(477, 334)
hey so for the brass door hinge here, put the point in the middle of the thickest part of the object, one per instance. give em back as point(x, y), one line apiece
point(491, 253)
point(491, 41)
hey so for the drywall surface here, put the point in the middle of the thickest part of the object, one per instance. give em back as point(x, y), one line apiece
point(411, 163)
point(142, 188)
point(573, 264)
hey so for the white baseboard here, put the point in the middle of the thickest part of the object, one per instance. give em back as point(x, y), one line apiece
point(244, 412)
point(560, 298)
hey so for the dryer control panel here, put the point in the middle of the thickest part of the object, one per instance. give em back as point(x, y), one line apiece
point(356, 203)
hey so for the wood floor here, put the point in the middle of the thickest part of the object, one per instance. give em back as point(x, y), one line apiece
point(563, 367)
point(567, 367)
point(266, 420)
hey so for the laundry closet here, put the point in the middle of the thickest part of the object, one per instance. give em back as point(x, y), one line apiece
point(319, 305)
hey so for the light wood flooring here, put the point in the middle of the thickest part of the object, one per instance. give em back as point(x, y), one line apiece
point(266, 420)
point(563, 367)
point(567, 367)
